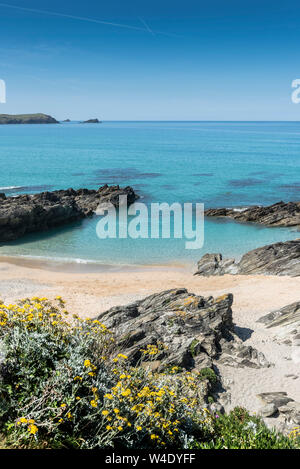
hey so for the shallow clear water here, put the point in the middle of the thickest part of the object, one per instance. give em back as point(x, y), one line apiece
point(217, 163)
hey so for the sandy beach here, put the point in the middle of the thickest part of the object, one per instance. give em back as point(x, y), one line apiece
point(88, 294)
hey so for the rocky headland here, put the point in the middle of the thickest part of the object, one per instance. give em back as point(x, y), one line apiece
point(274, 259)
point(39, 212)
point(27, 119)
point(279, 214)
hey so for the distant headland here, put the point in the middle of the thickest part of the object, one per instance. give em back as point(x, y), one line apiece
point(27, 119)
point(36, 119)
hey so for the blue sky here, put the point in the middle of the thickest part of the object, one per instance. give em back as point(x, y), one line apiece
point(159, 60)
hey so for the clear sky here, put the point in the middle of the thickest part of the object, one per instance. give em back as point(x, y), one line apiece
point(151, 60)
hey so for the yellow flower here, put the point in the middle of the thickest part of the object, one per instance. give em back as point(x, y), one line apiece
point(105, 412)
point(94, 403)
point(32, 429)
point(108, 427)
point(63, 405)
point(116, 411)
point(87, 363)
point(120, 428)
point(108, 396)
point(139, 428)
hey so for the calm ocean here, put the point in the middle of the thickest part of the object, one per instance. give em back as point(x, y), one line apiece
point(217, 163)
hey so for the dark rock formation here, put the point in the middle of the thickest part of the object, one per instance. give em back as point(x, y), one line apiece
point(27, 119)
point(286, 322)
point(66, 120)
point(190, 331)
point(274, 259)
point(39, 212)
point(92, 121)
point(279, 214)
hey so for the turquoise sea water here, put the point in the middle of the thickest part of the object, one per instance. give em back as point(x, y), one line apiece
point(218, 163)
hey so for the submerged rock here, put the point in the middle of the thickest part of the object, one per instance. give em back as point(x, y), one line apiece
point(274, 259)
point(279, 214)
point(186, 330)
point(39, 212)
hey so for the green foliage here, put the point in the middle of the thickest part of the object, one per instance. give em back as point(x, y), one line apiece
point(208, 373)
point(239, 430)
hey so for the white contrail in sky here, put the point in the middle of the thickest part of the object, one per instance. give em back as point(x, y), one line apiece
point(146, 25)
point(80, 18)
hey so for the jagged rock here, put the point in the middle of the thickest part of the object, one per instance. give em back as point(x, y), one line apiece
point(279, 399)
point(287, 413)
point(268, 410)
point(39, 212)
point(213, 264)
point(190, 331)
point(274, 259)
point(279, 214)
point(27, 119)
point(286, 322)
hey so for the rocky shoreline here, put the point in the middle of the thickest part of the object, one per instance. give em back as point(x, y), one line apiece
point(281, 214)
point(25, 214)
point(274, 259)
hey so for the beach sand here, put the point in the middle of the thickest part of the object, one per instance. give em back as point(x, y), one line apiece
point(89, 293)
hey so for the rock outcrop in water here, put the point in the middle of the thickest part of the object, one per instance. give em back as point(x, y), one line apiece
point(27, 119)
point(279, 214)
point(92, 121)
point(189, 331)
point(274, 259)
point(39, 212)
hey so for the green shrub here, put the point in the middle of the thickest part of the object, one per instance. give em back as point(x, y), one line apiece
point(239, 430)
